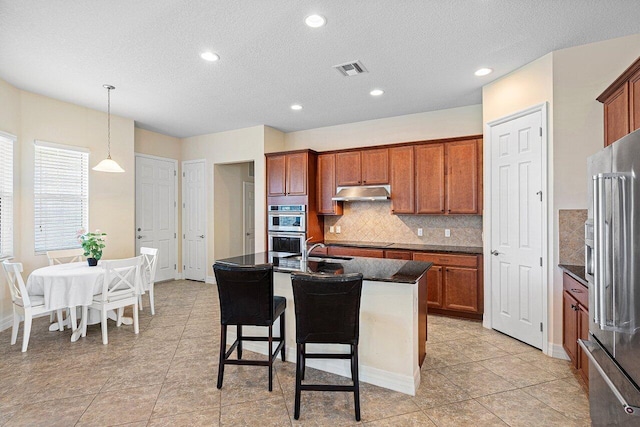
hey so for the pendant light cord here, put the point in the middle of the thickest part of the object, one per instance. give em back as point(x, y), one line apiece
point(108, 123)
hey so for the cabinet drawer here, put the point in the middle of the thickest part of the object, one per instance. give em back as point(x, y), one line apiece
point(446, 260)
point(397, 254)
point(576, 289)
point(348, 251)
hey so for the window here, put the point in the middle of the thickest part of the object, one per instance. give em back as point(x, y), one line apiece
point(61, 195)
point(6, 194)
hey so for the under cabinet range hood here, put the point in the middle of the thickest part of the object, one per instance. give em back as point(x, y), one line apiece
point(362, 193)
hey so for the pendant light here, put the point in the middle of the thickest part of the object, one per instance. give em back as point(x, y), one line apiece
point(108, 165)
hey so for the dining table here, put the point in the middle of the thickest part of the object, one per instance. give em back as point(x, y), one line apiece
point(70, 285)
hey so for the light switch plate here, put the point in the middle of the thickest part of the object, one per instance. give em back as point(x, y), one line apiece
point(447, 232)
point(419, 232)
point(332, 229)
point(337, 229)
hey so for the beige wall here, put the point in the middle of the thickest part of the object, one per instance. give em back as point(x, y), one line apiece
point(10, 123)
point(413, 127)
point(229, 208)
point(111, 196)
point(569, 80)
point(159, 145)
point(242, 145)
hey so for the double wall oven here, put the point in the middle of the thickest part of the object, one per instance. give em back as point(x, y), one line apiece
point(287, 228)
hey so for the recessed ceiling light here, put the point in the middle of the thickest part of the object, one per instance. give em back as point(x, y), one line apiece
point(483, 72)
point(296, 107)
point(209, 56)
point(315, 21)
point(376, 92)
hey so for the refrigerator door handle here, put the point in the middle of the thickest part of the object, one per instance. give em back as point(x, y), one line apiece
point(594, 352)
point(598, 235)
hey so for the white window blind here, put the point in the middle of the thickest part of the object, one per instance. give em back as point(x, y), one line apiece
point(61, 196)
point(6, 195)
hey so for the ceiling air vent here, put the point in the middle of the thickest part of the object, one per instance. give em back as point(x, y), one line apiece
point(350, 68)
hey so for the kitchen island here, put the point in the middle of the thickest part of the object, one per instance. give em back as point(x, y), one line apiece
point(393, 316)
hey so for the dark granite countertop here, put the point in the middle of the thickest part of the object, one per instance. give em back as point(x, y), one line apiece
point(575, 271)
point(376, 269)
point(408, 246)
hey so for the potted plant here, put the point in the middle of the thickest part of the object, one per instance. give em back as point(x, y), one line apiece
point(92, 243)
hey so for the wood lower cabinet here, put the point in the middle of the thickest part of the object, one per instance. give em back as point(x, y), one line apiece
point(362, 167)
point(327, 186)
point(407, 255)
point(622, 104)
point(350, 251)
point(575, 323)
point(454, 284)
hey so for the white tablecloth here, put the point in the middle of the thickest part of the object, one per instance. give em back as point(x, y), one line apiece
point(66, 285)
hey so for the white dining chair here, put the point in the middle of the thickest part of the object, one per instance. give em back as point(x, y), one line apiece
point(150, 260)
point(25, 306)
point(120, 288)
point(63, 256)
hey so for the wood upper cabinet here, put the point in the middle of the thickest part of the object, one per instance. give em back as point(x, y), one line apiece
point(430, 179)
point(616, 115)
point(634, 101)
point(401, 165)
point(296, 168)
point(276, 175)
point(348, 168)
point(327, 185)
point(375, 166)
point(287, 174)
point(462, 177)
point(622, 104)
point(365, 167)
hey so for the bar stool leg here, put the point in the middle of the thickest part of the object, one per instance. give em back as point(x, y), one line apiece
point(303, 360)
point(282, 352)
point(271, 357)
point(223, 350)
point(299, 362)
point(356, 381)
point(239, 334)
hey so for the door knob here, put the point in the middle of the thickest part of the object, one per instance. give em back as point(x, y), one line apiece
point(495, 253)
point(139, 236)
point(201, 236)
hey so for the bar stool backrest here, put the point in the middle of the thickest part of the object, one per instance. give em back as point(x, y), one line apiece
point(246, 294)
point(327, 308)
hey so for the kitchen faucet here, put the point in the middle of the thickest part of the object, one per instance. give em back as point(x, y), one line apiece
point(307, 252)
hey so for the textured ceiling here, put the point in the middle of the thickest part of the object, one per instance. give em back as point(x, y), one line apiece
point(421, 52)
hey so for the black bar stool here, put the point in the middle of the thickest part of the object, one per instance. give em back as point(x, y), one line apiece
point(327, 312)
point(246, 298)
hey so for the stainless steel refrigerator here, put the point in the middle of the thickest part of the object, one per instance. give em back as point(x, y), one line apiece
point(612, 255)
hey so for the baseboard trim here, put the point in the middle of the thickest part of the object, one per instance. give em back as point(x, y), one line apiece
point(402, 383)
point(210, 280)
point(557, 351)
point(6, 322)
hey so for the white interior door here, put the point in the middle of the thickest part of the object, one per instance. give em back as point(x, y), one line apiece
point(194, 220)
point(516, 228)
point(156, 211)
point(249, 197)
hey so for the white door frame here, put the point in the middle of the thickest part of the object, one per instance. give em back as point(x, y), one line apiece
point(177, 275)
point(206, 215)
point(244, 213)
point(546, 238)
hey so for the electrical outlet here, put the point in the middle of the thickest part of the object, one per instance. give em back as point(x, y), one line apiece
point(332, 229)
point(447, 232)
point(419, 232)
point(337, 229)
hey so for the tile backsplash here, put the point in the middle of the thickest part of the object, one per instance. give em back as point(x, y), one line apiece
point(373, 222)
point(571, 236)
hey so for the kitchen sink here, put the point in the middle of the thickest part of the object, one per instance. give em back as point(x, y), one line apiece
point(330, 259)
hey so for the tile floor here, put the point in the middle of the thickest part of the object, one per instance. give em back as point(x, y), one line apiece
point(166, 376)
